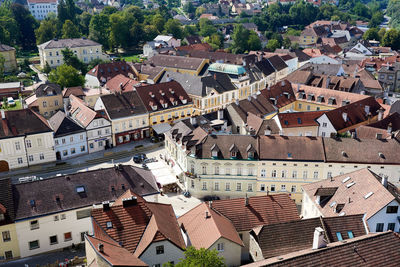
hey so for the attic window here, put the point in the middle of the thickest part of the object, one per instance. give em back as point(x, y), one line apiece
point(233, 154)
point(310, 97)
point(368, 195)
point(381, 155)
point(345, 102)
point(320, 99)
point(32, 203)
point(299, 120)
point(214, 154)
point(289, 155)
point(344, 154)
point(109, 225)
point(331, 101)
point(80, 189)
point(286, 122)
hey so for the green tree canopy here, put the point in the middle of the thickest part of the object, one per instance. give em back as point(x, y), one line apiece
point(392, 39)
point(201, 258)
point(71, 59)
point(272, 45)
point(99, 29)
point(371, 34)
point(26, 26)
point(46, 31)
point(69, 30)
point(174, 27)
point(66, 76)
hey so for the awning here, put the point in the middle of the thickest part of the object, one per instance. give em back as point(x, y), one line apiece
point(161, 128)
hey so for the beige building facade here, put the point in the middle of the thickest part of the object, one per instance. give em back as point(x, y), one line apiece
point(8, 53)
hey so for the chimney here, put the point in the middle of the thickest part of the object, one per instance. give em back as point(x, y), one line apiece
point(389, 128)
point(210, 204)
point(3, 114)
point(353, 135)
point(366, 108)
point(193, 121)
point(344, 115)
point(106, 205)
point(101, 248)
point(246, 201)
point(385, 181)
point(318, 241)
point(207, 216)
point(129, 202)
point(328, 81)
point(380, 114)
point(220, 114)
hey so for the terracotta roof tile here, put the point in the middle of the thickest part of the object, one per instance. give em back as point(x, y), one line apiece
point(367, 250)
point(299, 119)
point(189, 63)
point(106, 71)
point(204, 231)
point(261, 210)
point(114, 253)
point(365, 181)
point(121, 83)
point(80, 112)
point(76, 91)
point(280, 94)
point(279, 239)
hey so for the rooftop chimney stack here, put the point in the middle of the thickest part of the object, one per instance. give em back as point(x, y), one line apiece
point(101, 248)
point(385, 181)
point(318, 241)
point(246, 201)
point(207, 216)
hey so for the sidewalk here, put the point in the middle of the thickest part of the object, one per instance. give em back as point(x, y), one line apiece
point(122, 151)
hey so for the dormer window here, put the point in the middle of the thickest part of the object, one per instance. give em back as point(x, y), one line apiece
point(320, 99)
point(310, 97)
point(233, 154)
point(214, 151)
point(250, 151)
point(233, 150)
point(331, 101)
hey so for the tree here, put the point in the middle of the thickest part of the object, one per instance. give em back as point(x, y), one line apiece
point(158, 21)
point(150, 32)
point(174, 27)
point(67, 10)
point(376, 20)
point(287, 43)
point(66, 76)
point(201, 258)
point(188, 8)
point(381, 33)
point(392, 39)
point(371, 34)
point(84, 22)
point(47, 68)
point(272, 45)
point(69, 30)
point(200, 10)
point(2, 67)
point(206, 27)
point(99, 29)
point(71, 59)
point(26, 26)
point(240, 37)
point(46, 31)
point(254, 42)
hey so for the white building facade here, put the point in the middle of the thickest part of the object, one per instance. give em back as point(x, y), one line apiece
point(71, 145)
point(41, 8)
point(99, 135)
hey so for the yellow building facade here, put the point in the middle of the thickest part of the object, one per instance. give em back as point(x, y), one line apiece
point(10, 62)
point(9, 248)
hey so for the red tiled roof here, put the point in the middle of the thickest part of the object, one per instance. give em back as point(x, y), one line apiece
point(76, 91)
point(380, 249)
point(121, 83)
point(299, 119)
point(261, 210)
point(80, 112)
point(114, 253)
point(204, 231)
point(110, 70)
point(201, 47)
point(136, 226)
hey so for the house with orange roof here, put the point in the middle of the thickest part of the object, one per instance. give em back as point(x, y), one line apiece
point(203, 227)
point(104, 72)
point(147, 230)
point(298, 123)
point(361, 191)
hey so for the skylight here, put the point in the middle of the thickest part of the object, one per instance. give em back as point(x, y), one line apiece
point(342, 213)
point(109, 225)
point(80, 189)
point(332, 204)
point(346, 179)
point(368, 195)
point(350, 184)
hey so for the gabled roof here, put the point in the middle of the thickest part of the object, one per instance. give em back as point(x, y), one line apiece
point(278, 63)
point(379, 249)
point(62, 125)
point(191, 83)
point(113, 253)
point(22, 122)
point(302, 148)
point(99, 185)
point(220, 82)
point(106, 71)
point(279, 239)
point(357, 112)
point(299, 119)
point(205, 226)
point(76, 91)
point(261, 210)
point(358, 189)
point(122, 105)
point(137, 225)
point(193, 39)
point(170, 93)
point(121, 83)
point(4, 48)
point(80, 112)
point(265, 66)
point(48, 89)
point(258, 105)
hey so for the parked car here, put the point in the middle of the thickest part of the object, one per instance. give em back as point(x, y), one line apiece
point(139, 158)
point(11, 102)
